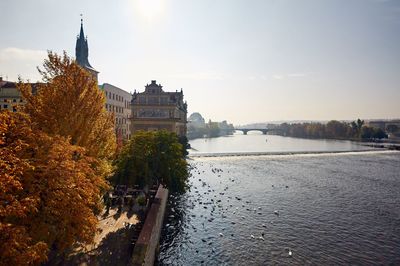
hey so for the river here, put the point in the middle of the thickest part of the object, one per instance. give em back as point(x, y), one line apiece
point(294, 202)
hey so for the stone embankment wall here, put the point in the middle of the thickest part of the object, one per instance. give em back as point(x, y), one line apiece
point(146, 247)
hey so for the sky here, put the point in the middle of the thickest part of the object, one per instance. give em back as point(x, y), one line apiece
point(243, 61)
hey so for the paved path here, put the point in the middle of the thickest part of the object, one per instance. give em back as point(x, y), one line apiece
point(112, 243)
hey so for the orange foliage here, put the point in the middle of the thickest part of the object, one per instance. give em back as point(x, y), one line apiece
point(54, 157)
point(49, 191)
point(69, 103)
point(16, 245)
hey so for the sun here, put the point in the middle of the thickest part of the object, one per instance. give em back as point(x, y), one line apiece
point(150, 9)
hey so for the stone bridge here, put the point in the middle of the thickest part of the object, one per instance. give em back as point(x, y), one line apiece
point(245, 130)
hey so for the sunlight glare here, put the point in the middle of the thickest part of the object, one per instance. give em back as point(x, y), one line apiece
point(150, 9)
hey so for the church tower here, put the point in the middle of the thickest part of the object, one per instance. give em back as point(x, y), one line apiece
point(82, 53)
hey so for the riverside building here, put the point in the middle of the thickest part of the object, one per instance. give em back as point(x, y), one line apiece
point(118, 102)
point(156, 109)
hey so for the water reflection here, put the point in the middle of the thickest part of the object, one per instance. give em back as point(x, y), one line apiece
point(255, 142)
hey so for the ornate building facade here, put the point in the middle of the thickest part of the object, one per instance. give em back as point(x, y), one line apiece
point(155, 109)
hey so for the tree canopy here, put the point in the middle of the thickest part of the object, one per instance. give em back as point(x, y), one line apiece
point(54, 157)
point(69, 103)
point(150, 158)
point(333, 129)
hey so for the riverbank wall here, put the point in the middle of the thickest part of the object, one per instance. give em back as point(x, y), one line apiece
point(146, 247)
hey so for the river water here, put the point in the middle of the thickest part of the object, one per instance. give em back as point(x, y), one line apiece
point(299, 204)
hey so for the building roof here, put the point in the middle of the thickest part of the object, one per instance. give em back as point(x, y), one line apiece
point(82, 51)
point(13, 85)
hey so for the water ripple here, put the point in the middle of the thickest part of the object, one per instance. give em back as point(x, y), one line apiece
point(324, 210)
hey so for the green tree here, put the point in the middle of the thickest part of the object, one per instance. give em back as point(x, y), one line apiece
point(213, 129)
point(392, 128)
point(359, 125)
point(149, 158)
point(379, 134)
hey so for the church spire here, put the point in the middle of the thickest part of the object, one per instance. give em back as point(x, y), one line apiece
point(82, 52)
point(81, 34)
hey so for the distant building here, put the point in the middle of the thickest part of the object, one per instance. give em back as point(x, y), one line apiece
point(82, 53)
point(196, 120)
point(118, 102)
point(155, 109)
point(10, 96)
point(383, 124)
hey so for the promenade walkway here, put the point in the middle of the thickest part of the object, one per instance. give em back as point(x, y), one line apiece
point(112, 243)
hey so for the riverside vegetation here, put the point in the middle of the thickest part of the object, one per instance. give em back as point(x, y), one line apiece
point(355, 130)
point(152, 158)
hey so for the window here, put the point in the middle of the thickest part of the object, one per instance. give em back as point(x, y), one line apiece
point(164, 100)
point(142, 100)
point(5, 106)
point(153, 100)
point(113, 96)
point(20, 100)
point(14, 100)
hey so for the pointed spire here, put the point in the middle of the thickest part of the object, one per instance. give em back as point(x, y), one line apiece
point(81, 34)
point(82, 51)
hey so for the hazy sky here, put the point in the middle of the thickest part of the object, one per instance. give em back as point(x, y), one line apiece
point(239, 60)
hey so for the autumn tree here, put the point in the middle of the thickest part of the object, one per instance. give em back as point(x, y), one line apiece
point(54, 157)
point(49, 192)
point(16, 244)
point(69, 103)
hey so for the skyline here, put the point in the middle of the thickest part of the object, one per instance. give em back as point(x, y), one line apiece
point(245, 63)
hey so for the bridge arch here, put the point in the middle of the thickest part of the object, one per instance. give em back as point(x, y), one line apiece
point(245, 130)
